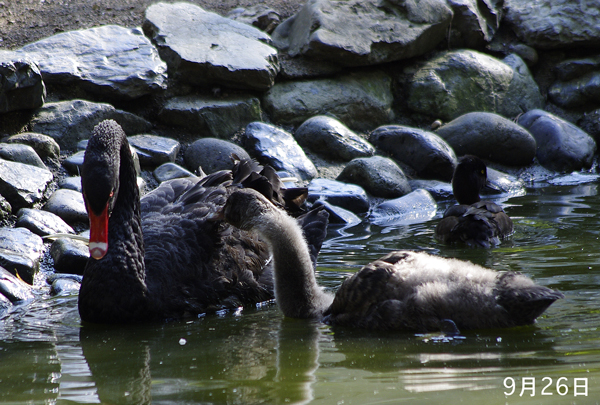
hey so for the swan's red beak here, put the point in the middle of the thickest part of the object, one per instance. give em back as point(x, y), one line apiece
point(98, 233)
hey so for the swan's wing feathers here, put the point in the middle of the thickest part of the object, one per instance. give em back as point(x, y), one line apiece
point(166, 193)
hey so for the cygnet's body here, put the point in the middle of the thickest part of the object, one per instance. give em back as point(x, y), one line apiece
point(404, 290)
point(472, 221)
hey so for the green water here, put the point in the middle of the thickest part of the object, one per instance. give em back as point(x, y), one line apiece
point(255, 356)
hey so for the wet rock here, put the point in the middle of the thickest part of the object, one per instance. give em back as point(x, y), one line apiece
point(549, 24)
point(378, 175)
point(458, 82)
point(42, 223)
point(64, 286)
point(329, 137)
point(590, 123)
point(338, 215)
point(348, 196)
point(21, 153)
point(212, 155)
point(71, 183)
point(561, 146)
point(169, 171)
point(68, 122)
point(219, 117)
point(418, 206)
point(278, 148)
point(154, 150)
point(424, 152)
point(505, 183)
point(491, 137)
point(13, 289)
point(261, 16)
point(362, 101)
point(204, 48)
point(67, 204)
point(359, 32)
point(21, 251)
point(110, 61)
point(22, 185)
point(74, 162)
point(45, 146)
point(579, 92)
point(21, 84)
point(474, 23)
point(69, 255)
point(439, 190)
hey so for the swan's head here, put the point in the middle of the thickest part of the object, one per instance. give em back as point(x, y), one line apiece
point(470, 177)
point(245, 209)
point(100, 181)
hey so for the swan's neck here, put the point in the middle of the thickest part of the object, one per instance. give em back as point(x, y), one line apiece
point(296, 290)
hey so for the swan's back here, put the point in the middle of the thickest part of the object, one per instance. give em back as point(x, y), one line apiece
point(415, 291)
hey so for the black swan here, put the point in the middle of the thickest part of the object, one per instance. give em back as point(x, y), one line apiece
point(404, 290)
point(472, 221)
point(168, 255)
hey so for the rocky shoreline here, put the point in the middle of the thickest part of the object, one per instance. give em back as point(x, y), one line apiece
point(369, 106)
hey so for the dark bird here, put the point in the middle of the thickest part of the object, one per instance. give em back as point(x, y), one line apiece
point(402, 291)
point(472, 221)
point(169, 255)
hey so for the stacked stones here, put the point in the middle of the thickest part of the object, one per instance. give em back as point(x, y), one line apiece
point(342, 96)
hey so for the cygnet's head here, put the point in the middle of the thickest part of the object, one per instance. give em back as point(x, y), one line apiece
point(245, 207)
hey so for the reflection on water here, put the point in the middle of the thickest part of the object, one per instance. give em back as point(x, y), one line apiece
point(255, 356)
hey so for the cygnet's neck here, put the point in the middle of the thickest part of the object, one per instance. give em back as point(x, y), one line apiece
point(296, 290)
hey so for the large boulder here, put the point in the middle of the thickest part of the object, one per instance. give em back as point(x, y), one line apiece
point(361, 100)
point(550, 24)
point(204, 48)
point(561, 146)
point(458, 82)
point(110, 61)
point(491, 137)
point(425, 153)
point(363, 32)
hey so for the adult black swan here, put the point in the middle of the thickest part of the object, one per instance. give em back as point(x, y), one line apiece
point(169, 256)
point(472, 221)
point(404, 290)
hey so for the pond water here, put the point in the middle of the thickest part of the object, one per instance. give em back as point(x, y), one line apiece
point(255, 356)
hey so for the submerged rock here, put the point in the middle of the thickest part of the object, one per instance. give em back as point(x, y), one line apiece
point(418, 206)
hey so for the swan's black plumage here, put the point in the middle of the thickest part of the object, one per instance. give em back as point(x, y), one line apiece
point(472, 221)
point(168, 255)
point(404, 290)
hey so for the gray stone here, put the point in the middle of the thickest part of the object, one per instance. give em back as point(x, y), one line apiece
point(416, 207)
point(22, 185)
point(42, 223)
point(68, 122)
point(69, 255)
point(74, 162)
point(45, 146)
point(550, 24)
point(169, 171)
point(338, 215)
point(203, 48)
point(64, 287)
point(590, 123)
point(459, 82)
point(67, 204)
point(71, 183)
point(364, 32)
point(378, 175)
point(21, 250)
point(362, 101)
point(21, 84)
point(111, 61)
point(328, 137)
point(219, 117)
point(491, 137)
point(428, 155)
point(278, 148)
point(579, 92)
point(261, 16)
point(561, 146)
point(573, 68)
point(474, 23)
point(154, 150)
point(13, 289)
point(439, 190)
point(212, 155)
point(348, 196)
point(21, 153)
